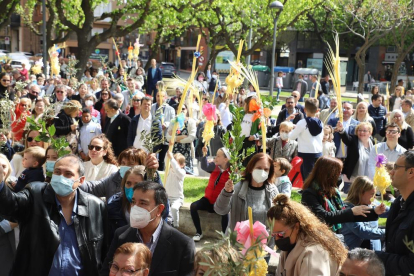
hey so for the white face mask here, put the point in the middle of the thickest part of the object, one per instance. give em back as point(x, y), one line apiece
point(139, 217)
point(88, 103)
point(214, 76)
point(260, 175)
point(284, 135)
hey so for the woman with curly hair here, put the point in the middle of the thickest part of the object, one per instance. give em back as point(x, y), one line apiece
point(103, 162)
point(308, 246)
point(321, 195)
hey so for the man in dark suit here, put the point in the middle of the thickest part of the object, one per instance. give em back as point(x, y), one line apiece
point(117, 126)
point(154, 75)
point(172, 251)
point(144, 122)
point(285, 113)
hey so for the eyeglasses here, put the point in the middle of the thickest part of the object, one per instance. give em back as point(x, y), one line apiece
point(392, 131)
point(399, 166)
point(97, 148)
point(59, 92)
point(105, 94)
point(124, 272)
point(137, 100)
point(363, 130)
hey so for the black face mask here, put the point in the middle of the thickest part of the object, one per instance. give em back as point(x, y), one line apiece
point(284, 244)
point(32, 97)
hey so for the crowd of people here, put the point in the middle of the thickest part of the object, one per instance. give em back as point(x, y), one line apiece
point(98, 206)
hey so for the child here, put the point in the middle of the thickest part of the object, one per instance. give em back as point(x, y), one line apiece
point(309, 133)
point(279, 84)
point(51, 157)
point(174, 185)
point(5, 144)
point(33, 160)
point(328, 145)
point(219, 170)
point(282, 169)
point(281, 146)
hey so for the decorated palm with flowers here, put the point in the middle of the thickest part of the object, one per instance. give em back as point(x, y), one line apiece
point(235, 79)
point(209, 111)
point(7, 108)
point(382, 178)
point(54, 60)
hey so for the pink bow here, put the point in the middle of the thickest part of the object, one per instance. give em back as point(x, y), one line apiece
point(209, 110)
point(259, 231)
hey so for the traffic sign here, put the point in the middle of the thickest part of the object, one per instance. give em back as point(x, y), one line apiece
point(7, 40)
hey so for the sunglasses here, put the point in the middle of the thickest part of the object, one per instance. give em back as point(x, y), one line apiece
point(97, 148)
point(105, 94)
point(136, 100)
point(204, 99)
point(60, 92)
point(279, 235)
point(30, 139)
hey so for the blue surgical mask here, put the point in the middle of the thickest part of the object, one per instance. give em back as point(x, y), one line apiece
point(50, 165)
point(129, 192)
point(62, 185)
point(123, 170)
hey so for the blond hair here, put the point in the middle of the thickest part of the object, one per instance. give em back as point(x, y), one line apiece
point(367, 117)
point(8, 166)
point(140, 251)
point(38, 153)
point(331, 136)
point(72, 106)
point(180, 158)
point(364, 124)
point(311, 229)
point(288, 125)
point(360, 185)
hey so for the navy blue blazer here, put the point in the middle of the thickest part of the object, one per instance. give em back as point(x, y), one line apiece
point(337, 138)
point(132, 132)
point(157, 77)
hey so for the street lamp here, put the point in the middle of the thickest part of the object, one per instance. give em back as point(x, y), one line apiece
point(278, 6)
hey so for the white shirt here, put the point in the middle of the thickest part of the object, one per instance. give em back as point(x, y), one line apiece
point(339, 153)
point(246, 125)
point(226, 116)
point(392, 155)
point(306, 142)
point(143, 125)
point(175, 180)
point(86, 133)
point(100, 171)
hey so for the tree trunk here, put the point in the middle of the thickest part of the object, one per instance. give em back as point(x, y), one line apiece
point(85, 48)
point(360, 60)
point(395, 70)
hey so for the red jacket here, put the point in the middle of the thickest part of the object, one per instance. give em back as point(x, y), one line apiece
point(212, 192)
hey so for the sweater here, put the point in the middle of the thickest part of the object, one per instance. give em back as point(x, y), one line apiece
point(217, 180)
point(175, 179)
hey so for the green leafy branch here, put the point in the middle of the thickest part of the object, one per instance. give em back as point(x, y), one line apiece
point(47, 135)
point(233, 140)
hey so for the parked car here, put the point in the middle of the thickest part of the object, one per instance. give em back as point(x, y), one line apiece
point(18, 59)
point(28, 54)
point(168, 69)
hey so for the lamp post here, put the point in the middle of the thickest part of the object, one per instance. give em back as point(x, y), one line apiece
point(44, 38)
point(278, 6)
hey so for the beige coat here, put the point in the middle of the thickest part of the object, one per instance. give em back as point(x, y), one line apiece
point(409, 119)
point(307, 260)
point(324, 114)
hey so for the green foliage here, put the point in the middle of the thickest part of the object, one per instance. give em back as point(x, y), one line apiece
point(47, 136)
point(235, 146)
point(269, 102)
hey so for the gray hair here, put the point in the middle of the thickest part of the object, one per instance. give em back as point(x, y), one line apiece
point(33, 85)
point(375, 267)
point(118, 97)
point(89, 95)
point(81, 167)
point(62, 86)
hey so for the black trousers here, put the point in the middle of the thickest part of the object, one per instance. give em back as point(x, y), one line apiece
point(205, 205)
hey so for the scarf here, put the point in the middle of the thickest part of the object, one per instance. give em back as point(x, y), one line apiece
point(330, 204)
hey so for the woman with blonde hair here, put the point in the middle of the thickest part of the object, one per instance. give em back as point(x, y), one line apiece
point(359, 147)
point(361, 115)
point(406, 139)
point(396, 98)
point(131, 259)
point(308, 245)
point(65, 120)
point(103, 161)
point(355, 233)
